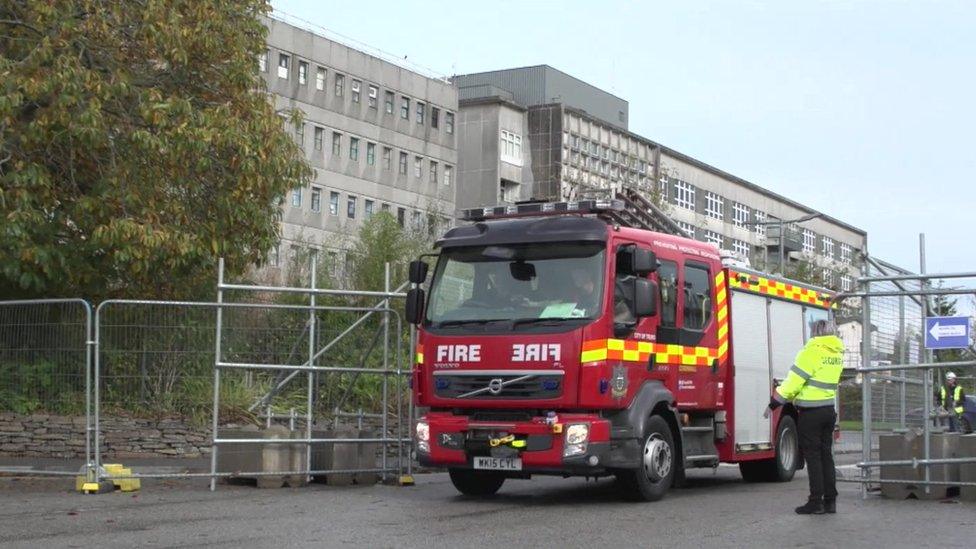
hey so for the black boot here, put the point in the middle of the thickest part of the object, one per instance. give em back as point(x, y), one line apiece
point(811, 507)
point(830, 505)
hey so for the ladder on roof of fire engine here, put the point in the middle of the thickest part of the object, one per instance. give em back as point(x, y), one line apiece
point(641, 213)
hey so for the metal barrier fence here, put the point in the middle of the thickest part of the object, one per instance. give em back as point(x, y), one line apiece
point(45, 380)
point(262, 364)
point(897, 384)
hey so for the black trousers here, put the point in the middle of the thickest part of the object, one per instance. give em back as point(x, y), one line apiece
point(816, 433)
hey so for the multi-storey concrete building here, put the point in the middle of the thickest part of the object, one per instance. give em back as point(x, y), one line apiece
point(537, 133)
point(380, 137)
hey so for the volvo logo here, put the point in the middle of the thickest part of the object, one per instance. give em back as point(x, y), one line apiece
point(495, 386)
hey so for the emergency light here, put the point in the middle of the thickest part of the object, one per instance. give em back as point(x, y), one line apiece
point(542, 208)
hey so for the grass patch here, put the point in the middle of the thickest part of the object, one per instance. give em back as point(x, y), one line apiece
point(853, 425)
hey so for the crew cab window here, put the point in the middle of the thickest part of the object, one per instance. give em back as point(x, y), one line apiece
point(667, 273)
point(623, 300)
point(697, 296)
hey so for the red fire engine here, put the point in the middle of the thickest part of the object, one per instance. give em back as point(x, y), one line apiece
point(555, 341)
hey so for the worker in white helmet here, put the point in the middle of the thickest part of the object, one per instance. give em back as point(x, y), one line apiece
point(950, 397)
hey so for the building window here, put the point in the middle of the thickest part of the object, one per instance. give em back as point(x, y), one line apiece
point(387, 158)
point(318, 138)
point(320, 78)
point(302, 72)
point(263, 61)
point(511, 147)
point(403, 163)
point(374, 94)
point(336, 143)
point(740, 214)
point(809, 241)
point(354, 149)
point(714, 206)
point(846, 283)
point(385, 207)
point(296, 198)
point(368, 209)
point(405, 108)
point(449, 122)
point(433, 171)
point(388, 102)
point(574, 141)
point(688, 228)
point(283, 66)
point(827, 248)
point(684, 194)
point(418, 166)
point(371, 153)
point(421, 112)
point(846, 253)
point(435, 114)
point(509, 191)
point(316, 199)
point(740, 248)
point(401, 217)
point(334, 203)
point(417, 221)
point(351, 207)
point(828, 278)
point(300, 134)
point(274, 256)
point(340, 81)
point(713, 237)
point(356, 86)
point(760, 218)
point(448, 174)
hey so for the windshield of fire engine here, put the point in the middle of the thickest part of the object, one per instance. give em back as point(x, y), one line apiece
point(520, 283)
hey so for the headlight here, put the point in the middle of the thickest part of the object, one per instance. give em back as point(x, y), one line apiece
point(423, 431)
point(577, 437)
point(577, 434)
point(423, 436)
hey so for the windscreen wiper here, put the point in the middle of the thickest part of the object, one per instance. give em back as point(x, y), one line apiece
point(475, 321)
point(540, 321)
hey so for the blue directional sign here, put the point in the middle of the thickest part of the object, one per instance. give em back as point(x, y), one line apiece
point(947, 332)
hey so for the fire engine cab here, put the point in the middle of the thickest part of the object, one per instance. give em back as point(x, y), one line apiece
point(552, 340)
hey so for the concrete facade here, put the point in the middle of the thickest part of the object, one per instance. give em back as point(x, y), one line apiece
point(566, 153)
point(379, 137)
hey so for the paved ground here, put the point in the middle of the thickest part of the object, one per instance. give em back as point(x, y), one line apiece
point(715, 510)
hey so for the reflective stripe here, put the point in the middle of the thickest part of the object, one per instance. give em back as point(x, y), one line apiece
point(779, 398)
point(796, 370)
point(821, 384)
point(813, 403)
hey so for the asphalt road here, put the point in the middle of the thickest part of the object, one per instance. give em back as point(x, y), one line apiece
point(716, 510)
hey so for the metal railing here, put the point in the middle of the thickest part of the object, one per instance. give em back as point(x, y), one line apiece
point(912, 366)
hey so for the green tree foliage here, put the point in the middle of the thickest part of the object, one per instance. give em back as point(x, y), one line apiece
point(137, 144)
point(382, 240)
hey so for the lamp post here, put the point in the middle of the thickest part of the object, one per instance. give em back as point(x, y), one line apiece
point(781, 223)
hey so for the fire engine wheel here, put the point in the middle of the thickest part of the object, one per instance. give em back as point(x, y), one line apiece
point(656, 474)
point(476, 483)
point(787, 460)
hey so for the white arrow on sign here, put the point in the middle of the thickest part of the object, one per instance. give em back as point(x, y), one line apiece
point(953, 330)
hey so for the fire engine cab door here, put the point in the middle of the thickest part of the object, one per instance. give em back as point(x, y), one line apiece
point(750, 343)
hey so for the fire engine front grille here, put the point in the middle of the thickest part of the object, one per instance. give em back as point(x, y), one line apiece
point(508, 386)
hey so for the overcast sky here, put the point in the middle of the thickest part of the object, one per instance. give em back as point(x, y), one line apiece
point(863, 110)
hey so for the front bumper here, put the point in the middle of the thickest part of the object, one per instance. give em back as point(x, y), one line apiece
point(456, 439)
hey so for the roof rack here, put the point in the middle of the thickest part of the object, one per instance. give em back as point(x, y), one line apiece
point(534, 209)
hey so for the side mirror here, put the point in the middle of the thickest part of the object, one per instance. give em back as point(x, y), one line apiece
point(643, 262)
point(418, 272)
point(645, 298)
point(415, 305)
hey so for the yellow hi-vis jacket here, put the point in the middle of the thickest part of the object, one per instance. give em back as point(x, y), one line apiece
point(812, 380)
point(956, 398)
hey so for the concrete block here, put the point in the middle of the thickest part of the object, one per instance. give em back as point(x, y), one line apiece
point(912, 445)
point(967, 471)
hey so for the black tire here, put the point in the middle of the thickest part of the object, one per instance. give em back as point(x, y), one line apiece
point(658, 464)
point(476, 483)
point(787, 460)
point(965, 426)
